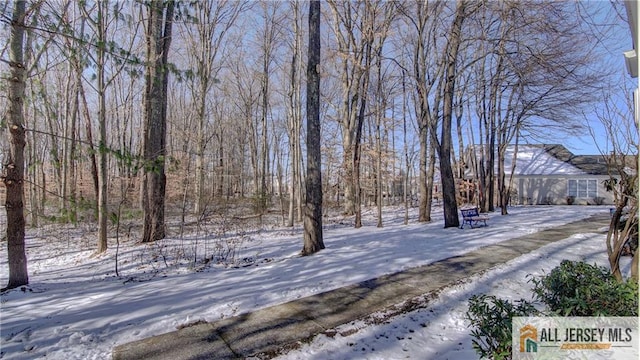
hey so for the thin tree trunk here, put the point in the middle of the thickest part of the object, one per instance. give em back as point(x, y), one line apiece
point(302, 176)
point(426, 115)
point(431, 172)
point(264, 156)
point(200, 147)
point(102, 131)
point(36, 187)
point(294, 113)
point(35, 163)
point(357, 152)
point(405, 147)
point(292, 180)
point(92, 152)
point(280, 177)
point(423, 214)
point(379, 115)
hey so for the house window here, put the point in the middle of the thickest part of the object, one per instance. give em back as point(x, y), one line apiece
point(583, 188)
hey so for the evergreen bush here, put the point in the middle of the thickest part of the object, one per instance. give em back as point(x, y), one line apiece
point(580, 289)
point(571, 289)
point(490, 319)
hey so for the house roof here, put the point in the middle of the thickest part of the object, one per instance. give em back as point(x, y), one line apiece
point(552, 159)
point(542, 160)
point(589, 164)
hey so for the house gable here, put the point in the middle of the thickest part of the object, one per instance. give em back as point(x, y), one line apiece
point(542, 160)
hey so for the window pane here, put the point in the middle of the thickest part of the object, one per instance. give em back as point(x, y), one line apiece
point(593, 188)
point(582, 188)
point(573, 188)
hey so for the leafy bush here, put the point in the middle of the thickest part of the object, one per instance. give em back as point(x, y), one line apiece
point(580, 289)
point(490, 318)
point(571, 289)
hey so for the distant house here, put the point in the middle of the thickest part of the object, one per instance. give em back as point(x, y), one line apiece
point(551, 174)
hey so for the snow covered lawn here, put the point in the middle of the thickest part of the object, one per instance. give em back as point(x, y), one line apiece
point(77, 308)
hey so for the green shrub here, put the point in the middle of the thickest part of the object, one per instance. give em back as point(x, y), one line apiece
point(580, 289)
point(571, 289)
point(490, 319)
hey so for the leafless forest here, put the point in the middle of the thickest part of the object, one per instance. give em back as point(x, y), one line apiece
point(405, 88)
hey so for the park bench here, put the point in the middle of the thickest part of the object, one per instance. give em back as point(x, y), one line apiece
point(472, 217)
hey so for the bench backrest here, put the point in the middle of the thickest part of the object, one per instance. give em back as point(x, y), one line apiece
point(469, 212)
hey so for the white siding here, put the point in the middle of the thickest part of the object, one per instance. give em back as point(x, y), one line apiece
point(553, 190)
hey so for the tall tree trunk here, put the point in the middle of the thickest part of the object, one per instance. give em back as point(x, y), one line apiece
point(423, 214)
point(35, 162)
point(72, 153)
point(424, 80)
point(357, 152)
point(92, 152)
point(348, 183)
point(37, 185)
point(444, 150)
point(352, 76)
point(102, 131)
point(301, 177)
point(379, 181)
point(357, 155)
point(293, 97)
point(502, 186)
point(313, 241)
point(158, 42)
point(379, 115)
point(431, 172)
point(200, 147)
point(14, 178)
point(405, 147)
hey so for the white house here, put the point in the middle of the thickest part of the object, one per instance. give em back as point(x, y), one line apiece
point(551, 174)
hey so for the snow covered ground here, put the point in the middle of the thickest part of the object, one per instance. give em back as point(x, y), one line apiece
point(77, 308)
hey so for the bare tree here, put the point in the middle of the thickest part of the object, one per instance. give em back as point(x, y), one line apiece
point(352, 50)
point(294, 113)
point(100, 27)
point(379, 114)
point(444, 147)
point(246, 90)
point(360, 29)
point(426, 68)
point(37, 49)
point(205, 41)
point(270, 35)
point(155, 105)
point(531, 71)
point(622, 160)
point(14, 168)
point(313, 241)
